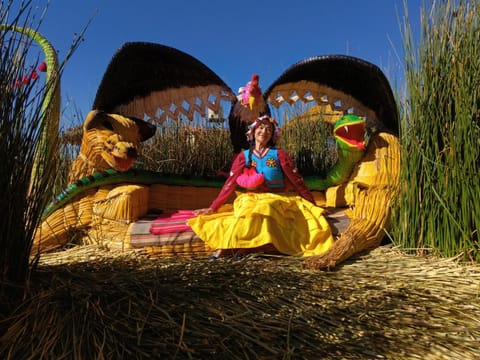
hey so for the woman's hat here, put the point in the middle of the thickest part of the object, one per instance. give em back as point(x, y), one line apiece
point(251, 128)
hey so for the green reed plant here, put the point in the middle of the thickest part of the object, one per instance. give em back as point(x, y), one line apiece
point(439, 199)
point(70, 138)
point(183, 149)
point(310, 142)
point(20, 126)
point(24, 107)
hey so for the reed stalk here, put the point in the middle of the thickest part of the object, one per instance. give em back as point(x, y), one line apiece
point(24, 117)
point(440, 196)
point(20, 129)
point(309, 141)
point(182, 149)
point(88, 303)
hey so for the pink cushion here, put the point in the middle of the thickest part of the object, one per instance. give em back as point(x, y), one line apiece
point(171, 222)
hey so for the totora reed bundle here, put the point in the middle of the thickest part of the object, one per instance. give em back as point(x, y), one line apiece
point(87, 303)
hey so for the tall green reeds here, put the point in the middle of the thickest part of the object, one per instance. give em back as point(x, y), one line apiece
point(20, 126)
point(25, 111)
point(309, 140)
point(439, 202)
point(183, 149)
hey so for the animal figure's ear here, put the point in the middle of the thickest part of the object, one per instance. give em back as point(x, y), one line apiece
point(96, 118)
point(146, 129)
point(93, 119)
point(157, 82)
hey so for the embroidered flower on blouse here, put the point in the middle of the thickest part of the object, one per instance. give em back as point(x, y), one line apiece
point(253, 164)
point(271, 162)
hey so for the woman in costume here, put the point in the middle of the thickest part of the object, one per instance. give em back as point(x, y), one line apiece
point(268, 215)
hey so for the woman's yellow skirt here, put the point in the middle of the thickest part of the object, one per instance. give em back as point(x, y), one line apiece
point(292, 224)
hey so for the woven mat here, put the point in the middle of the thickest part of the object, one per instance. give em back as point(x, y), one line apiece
point(148, 232)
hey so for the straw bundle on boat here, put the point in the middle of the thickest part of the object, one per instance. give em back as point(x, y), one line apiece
point(370, 193)
point(87, 302)
point(171, 197)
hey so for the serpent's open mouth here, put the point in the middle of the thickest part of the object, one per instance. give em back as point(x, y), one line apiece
point(352, 134)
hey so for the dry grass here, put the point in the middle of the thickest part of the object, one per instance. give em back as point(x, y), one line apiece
point(87, 303)
point(182, 149)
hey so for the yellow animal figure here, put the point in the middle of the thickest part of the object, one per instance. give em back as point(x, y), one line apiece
point(110, 141)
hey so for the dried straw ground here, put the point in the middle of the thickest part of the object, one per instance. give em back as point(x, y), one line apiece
point(88, 303)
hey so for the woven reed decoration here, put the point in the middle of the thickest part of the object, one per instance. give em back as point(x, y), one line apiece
point(323, 111)
point(102, 192)
point(180, 197)
point(171, 198)
point(124, 203)
point(109, 234)
point(114, 210)
point(364, 175)
point(307, 91)
point(87, 214)
point(57, 229)
point(345, 82)
point(161, 106)
point(162, 82)
point(99, 143)
point(102, 215)
point(374, 190)
point(159, 81)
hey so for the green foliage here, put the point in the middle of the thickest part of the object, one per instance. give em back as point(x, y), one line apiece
point(182, 149)
point(311, 144)
point(25, 110)
point(440, 187)
point(20, 126)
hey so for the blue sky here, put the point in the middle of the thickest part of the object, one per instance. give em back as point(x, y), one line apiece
point(234, 39)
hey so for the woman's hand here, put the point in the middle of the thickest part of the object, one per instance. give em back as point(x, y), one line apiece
point(204, 211)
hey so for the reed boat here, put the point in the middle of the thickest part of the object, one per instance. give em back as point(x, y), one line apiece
point(124, 207)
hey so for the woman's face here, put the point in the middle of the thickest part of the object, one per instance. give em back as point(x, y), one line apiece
point(263, 133)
